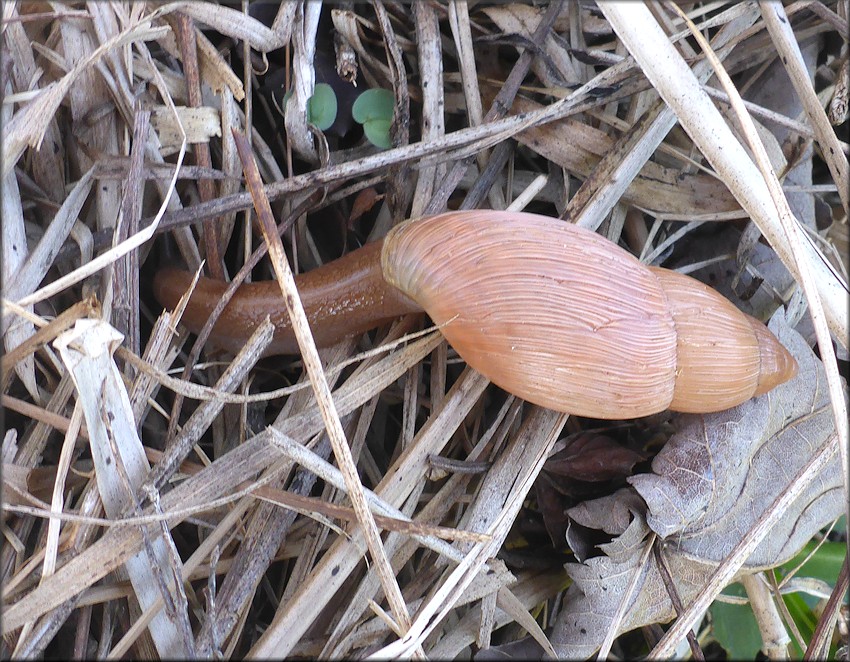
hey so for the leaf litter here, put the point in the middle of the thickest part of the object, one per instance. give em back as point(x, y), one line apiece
point(257, 578)
point(710, 483)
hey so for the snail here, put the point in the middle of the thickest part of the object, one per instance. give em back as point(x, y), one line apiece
point(553, 313)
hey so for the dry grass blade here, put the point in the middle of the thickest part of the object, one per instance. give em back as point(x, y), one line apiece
point(27, 128)
point(47, 333)
point(32, 272)
point(120, 464)
point(200, 492)
point(313, 365)
point(340, 560)
point(789, 51)
point(377, 496)
point(57, 503)
point(234, 23)
point(497, 508)
point(680, 89)
point(204, 415)
point(331, 475)
point(620, 165)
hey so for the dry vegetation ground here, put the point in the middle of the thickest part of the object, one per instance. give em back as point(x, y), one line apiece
point(147, 443)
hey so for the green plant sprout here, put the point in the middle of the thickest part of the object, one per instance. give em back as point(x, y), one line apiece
point(374, 110)
point(321, 107)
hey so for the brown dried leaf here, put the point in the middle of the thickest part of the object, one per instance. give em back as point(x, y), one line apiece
point(15, 485)
point(589, 466)
point(593, 457)
point(724, 470)
point(710, 484)
point(521, 19)
point(579, 147)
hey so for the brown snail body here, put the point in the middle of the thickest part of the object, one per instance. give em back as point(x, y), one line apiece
point(342, 298)
point(552, 313)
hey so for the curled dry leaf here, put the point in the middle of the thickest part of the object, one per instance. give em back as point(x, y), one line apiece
point(709, 485)
point(593, 457)
point(589, 465)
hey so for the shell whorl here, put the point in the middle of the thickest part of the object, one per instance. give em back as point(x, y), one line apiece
point(544, 309)
point(562, 317)
point(724, 356)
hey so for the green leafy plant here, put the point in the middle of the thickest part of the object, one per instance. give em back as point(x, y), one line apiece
point(374, 110)
point(321, 107)
point(824, 565)
point(735, 627)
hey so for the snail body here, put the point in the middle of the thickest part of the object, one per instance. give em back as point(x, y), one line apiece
point(552, 313)
point(342, 298)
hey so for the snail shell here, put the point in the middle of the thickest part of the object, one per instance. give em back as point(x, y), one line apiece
point(562, 317)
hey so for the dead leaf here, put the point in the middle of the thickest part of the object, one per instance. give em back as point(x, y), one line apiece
point(364, 202)
point(579, 147)
point(200, 124)
point(590, 465)
point(709, 485)
point(15, 485)
point(593, 457)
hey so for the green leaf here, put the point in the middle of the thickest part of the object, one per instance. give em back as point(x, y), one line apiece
point(374, 104)
point(803, 617)
point(378, 133)
point(825, 564)
point(735, 627)
point(322, 106)
point(374, 110)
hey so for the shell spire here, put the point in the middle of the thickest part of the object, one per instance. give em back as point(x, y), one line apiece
point(723, 355)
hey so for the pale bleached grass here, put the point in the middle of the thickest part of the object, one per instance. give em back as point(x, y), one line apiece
point(596, 143)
